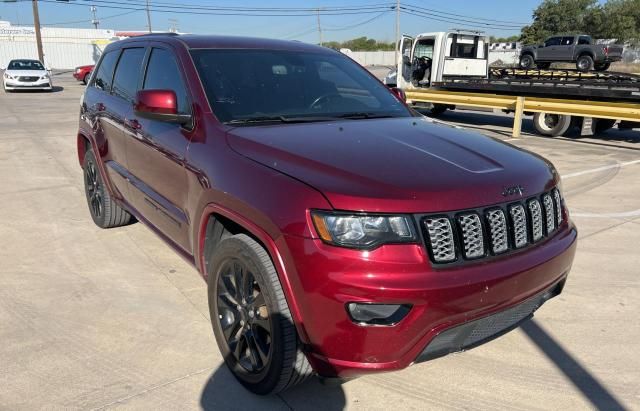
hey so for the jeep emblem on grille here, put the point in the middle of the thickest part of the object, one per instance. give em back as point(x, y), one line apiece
point(513, 190)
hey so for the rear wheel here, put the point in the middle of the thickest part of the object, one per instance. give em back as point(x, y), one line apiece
point(602, 66)
point(603, 124)
point(526, 62)
point(584, 63)
point(104, 211)
point(85, 79)
point(251, 318)
point(437, 109)
point(551, 124)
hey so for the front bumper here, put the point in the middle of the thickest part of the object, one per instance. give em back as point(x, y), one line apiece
point(45, 84)
point(441, 299)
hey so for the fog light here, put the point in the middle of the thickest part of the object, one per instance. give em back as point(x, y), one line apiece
point(377, 314)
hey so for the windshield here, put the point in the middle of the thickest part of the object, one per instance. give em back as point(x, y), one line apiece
point(25, 65)
point(252, 86)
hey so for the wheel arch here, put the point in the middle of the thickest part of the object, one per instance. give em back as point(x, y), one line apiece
point(83, 143)
point(237, 224)
point(586, 52)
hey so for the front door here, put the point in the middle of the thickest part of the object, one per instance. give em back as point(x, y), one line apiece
point(403, 65)
point(156, 154)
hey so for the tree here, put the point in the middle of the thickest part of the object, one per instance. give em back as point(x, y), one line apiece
point(360, 44)
point(558, 16)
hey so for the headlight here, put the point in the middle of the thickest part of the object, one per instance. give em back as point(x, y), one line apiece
point(7, 76)
point(364, 231)
point(44, 77)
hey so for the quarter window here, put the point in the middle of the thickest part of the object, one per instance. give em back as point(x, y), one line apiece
point(125, 81)
point(567, 41)
point(163, 73)
point(104, 75)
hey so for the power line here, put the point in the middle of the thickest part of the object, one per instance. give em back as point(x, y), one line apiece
point(430, 16)
point(466, 16)
point(63, 23)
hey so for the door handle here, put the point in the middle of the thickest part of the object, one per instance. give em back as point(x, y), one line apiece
point(133, 123)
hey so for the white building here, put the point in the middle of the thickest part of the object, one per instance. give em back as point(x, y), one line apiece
point(63, 48)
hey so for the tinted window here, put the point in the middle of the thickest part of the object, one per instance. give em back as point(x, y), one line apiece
point(104, 75)
point(251, 83)
point(125, 81)
point(553, 41)
point(25, 65)
point(163, 73)
point(584, 40)
point(567, 41)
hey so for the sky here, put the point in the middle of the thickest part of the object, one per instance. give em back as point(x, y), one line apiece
point(507, 15)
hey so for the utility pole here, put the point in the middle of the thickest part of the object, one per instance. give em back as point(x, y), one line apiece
point(319, 27)
point(95, 20)
point(398, 51)
point(36, 24)
point(148, 17)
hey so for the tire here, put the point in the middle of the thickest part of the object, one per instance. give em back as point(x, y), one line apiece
point(437, 109)
point(527, 62)
point(85, 79)
point(240, 318)
point(601, 66)
point(543, 66)
point(603, 124)
point(551, 124)
point(104, 211)
point(584, 63)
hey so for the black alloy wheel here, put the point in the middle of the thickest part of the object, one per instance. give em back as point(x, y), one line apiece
point(94, 189)
point(244, 316)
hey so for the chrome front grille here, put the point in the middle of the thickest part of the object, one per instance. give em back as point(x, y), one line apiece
point(28, 79)
point(440, 235)
point(497, 226)
point(472, 240)
point(482, 233)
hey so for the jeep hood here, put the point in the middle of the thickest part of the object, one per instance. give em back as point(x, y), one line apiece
point(395, 165)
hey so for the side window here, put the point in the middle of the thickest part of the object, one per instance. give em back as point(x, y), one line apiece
point(104, 75)
point(163, 73)
point(125, 81)
point(584, 40)
point(567, 41)
point(553, 41)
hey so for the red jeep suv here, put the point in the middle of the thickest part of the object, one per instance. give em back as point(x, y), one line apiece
point(339, 232)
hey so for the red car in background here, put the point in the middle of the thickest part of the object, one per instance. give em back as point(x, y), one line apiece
point(82, 73)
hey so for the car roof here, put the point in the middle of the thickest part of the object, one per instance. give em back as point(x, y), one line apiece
point(25, 60)
point(195, 41)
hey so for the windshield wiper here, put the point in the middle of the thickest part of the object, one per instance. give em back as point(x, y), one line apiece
point(363, 115)
point(279, 119)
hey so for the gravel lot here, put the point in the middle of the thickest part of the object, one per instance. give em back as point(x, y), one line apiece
point(110, 319)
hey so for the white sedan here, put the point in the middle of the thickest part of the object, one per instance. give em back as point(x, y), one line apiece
point(26, 74)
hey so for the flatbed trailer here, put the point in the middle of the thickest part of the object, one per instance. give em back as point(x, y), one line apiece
point(445, 70)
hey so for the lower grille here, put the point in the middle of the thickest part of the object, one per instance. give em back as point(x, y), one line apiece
point(474, 234)
point(473, 333)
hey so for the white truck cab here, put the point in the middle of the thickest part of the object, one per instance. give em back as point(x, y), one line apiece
point(442, 56)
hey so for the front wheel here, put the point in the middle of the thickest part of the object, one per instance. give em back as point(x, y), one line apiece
point(251, 318)
point(85, 79)
point(552, 125)
point(526, 62)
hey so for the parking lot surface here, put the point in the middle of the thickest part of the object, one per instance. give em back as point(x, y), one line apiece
point(113, 319)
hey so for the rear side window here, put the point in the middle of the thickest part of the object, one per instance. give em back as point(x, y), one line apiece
point(104, 75)
point(163, 73)
point(125, 81)
point(567, 41)
point(584, 40)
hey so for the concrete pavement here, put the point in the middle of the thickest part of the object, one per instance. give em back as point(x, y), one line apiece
point(113, 319)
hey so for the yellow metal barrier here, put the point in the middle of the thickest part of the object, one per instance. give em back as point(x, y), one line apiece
point(519, 104)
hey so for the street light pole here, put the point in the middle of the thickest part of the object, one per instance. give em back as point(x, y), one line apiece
point(319, 27)
point(36, 23)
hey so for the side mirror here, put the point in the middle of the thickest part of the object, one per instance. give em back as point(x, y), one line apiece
point(159, 105)
point(399, 93)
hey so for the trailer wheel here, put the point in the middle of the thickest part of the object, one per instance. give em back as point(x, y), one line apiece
point(584, 63)
point(437, 109)
point(551, 124)
point(526, 62)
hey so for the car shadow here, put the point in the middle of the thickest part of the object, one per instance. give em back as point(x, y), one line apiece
point(580, 377)
point(223, 392)
point(54, 89)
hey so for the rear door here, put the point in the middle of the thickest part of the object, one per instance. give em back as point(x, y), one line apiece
point(105, 113)
point(565, 50)
point(465, 56)
point(403, 65)
point(156, 152)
